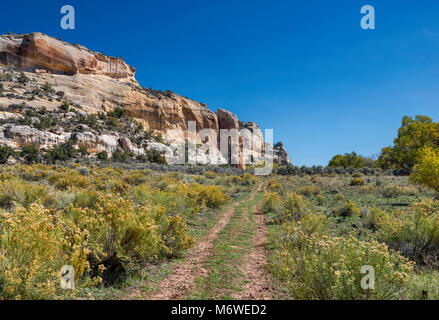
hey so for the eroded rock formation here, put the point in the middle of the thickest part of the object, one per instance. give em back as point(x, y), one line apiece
point(97, 83)
point(280, 155)
point(37, 52)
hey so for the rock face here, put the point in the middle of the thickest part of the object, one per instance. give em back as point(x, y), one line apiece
point(16, 136)
point(280, 155)
point(96, 143)
point(100, 84)
point(227, 120)
point(38, 52)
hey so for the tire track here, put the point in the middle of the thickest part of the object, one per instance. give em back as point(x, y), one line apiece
point(182, 279)
point(258, 283)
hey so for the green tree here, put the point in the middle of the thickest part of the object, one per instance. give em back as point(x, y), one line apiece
point(103, 155)
point(30, 152)
point(413, 135)
point(426, 170)
point(120, 156)
point(5, 153)
point(350, 160)
point(64, 151)
point(155, 156)
point(385, 160)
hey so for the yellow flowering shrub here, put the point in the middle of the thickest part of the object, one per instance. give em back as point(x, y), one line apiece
point(68, 178)
point(207, 196)
point(274, 186)
point(320, 199)
point(348, 209)
point(315, 265)
point(308, 190)
point(356, 182)
point(415, 232)
point(271, 199)
point(367, 189)
point(23, 193)
point(105, 222)
point(291, 207)
point(393, 190)
point(173, 232)
point(34, 244)
point(210, 175)
point(249, 179)
point(118, 231)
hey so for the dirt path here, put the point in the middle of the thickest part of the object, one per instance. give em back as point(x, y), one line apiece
point(182, 279)
point(258, 284)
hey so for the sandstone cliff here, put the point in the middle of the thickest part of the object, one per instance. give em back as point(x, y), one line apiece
point(280, 155)
point(93, 83)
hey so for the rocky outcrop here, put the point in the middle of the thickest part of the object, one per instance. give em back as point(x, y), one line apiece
point(16, 136)
point(280, 155)
point(227, 120)
point(37, 52)
point(128, 146)
point(96, 83)
point(96, 143)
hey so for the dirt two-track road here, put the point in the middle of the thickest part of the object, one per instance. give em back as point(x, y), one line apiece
point(229, 262)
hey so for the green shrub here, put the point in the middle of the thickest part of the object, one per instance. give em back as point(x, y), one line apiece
point(5, 153)
point(30, 152)
point(63, 152)
point(65, 106)
point(350, 160)
point(120, 156)
point(320, 199)
point(47, 88)
point(155, 156)
point(117, 113)
point(23, 79)
point(103, 155)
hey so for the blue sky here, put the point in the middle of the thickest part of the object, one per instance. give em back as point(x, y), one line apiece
point(304, 68)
